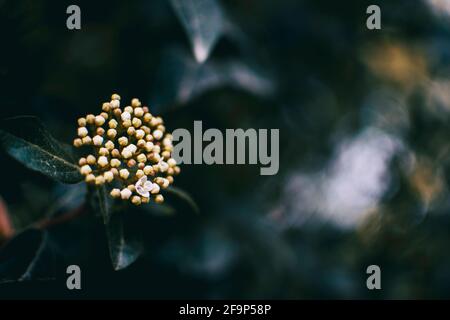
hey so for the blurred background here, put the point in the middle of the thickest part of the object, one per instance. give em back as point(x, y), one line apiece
point(364, 156)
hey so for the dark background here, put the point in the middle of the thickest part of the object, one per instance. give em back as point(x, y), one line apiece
point(364, 153)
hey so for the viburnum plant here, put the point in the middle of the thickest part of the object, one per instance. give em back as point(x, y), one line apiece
point(130, 149)
point(126, 158)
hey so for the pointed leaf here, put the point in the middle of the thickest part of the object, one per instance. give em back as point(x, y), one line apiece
point(26, 139)
point(124, 248)
point(203, 21)
point(186, 197)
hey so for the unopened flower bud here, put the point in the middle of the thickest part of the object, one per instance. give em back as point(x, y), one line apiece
point(91, 159)
point(99, 121)
point(82, 132)
point(115, 163)
point(102, 161)
point(109, 176)
point(82, 122)
point(125, 194)
point(115, 193)
point(136, 200)
point(124, 173)
point(98, 140)
point(85, 170)
point(77, 143)
point(159, 198)
point(135, 102)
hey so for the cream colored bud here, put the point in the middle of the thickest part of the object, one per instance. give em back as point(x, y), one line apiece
point(128, 109)
point(115, 172)
point(172, 162)
point(102, 161)
point(115, 153)
point(138, 112)
point(149, 146)
point(109, 145)
point(145, 200)
point(82, 132)
point(99, 121)
point(99, 180)
point(156, 157)
point(177, 170)
point(82, 161)
point(113, 123)
point(82, 122)
point(156, 149)
point(159, 198)
point(165, 154)
point(85, 170)
point(149, 137)
point(111, 133)
point(131, 187)
point(90, 119)
point(126, 123)
point(167, 141)
point(155, 189)
point(140, 134)
point(91, 159)
point(115, 104)
point(115, 193)
point(170, 179)
point(132, 148)
point(100, 131)
point(157, 134)
point(146, 129)
point(154, 122)
point(124, 173)
point(109, 176)
point(135, 102)
point(115, 163)
point(106, 106)
point(125, 194)
point(147, 117)
point(115, 96)
point(141, 143)
point(161, 127)
point(77, 142)
point(90, 178)
point(125, 116)
point(98, 140)
point(123, 141)
point(136, 122)
point(103, 151)
point(136, 200)
point(163, 166)
point(139, 174)
point(126, 153)
point(148, 170)
point(87, 141)
point(142, 158)
point(131, 131)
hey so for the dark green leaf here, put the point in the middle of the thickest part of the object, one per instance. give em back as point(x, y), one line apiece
point(186, 197)
point(162, 209)
point(124, 248)
point(180, 79)
point(204, 23)
point(26, 139)
point(101, 202)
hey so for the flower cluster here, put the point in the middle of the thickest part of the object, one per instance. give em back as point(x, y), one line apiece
point(130, 150)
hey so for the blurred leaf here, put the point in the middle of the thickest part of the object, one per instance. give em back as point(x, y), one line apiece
point(180, 79)
point(203, 21)
point(162, 209)
point(26, 139)
point(124, 248)
point(18, 255)
point(100, 202)
point(6, 228)
point(186, 197)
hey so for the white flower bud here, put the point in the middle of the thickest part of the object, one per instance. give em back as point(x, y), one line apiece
point(99, 121)
point(128, 109)
point(157, 134)
point(124, 173)
point(115, 163)
point(103, 152)
point(135, 102)
point(99, 180)
point(140, 134)
point(139, 112)
point(125, 116)
point(148, 146)
point(109, 145)
point(172, 162)
point(155, 189)
point(85, 170)
point(115, 96)
point(142, 158)
point(82, 122)
point(136, 200)
point(148, 170)
point(115, 104)
point(102, 161)
point(126, 153)
point(109, 176)
point(125, 194)
point(82, 132)
point(159, 198)
point(98, 140)
point(123, 141)
point(136, 122)
point(115, 193)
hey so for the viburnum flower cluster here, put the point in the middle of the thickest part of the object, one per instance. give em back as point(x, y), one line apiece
point(130, 150)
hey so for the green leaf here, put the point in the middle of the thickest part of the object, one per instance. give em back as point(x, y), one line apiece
point(100, 202)
point(124, 248)
point(204, 23)
point(183, 195)
point(26, 140)
point(180, 79)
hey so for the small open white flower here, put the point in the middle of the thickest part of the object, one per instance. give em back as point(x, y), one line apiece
point(143, 187)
